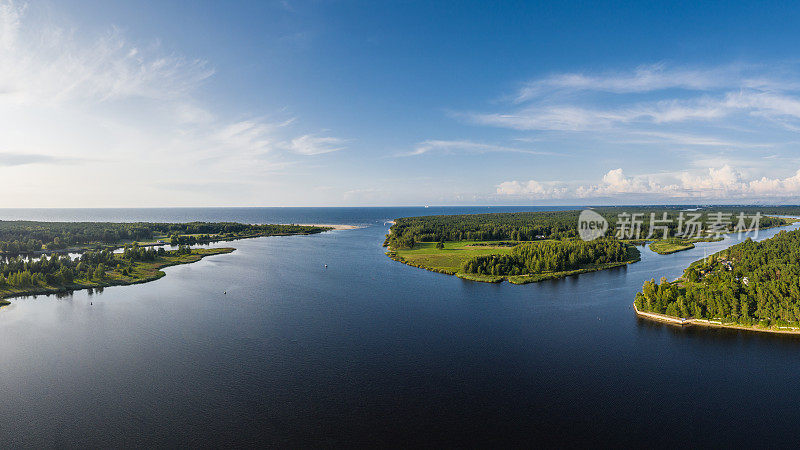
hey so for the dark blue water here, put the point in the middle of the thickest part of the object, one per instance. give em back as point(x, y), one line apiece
point(370, 351)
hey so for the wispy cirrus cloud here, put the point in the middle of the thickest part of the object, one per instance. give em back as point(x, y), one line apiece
point(658, 99)
point(687, 139)
point(654, 77)
point(59, 66)
point(21, 159)
point(114, 106)
point(316, 145)
point(466, 146)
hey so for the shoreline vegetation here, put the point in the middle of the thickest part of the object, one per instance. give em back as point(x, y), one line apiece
point(136, 273)
point(26, 269)
point(750, 286)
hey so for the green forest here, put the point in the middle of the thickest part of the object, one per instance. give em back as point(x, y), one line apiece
point(530, 226)
point(750, 283)
point(22, 237)
point(548, 256)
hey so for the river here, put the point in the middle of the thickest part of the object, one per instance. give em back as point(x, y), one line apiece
point(267, 346)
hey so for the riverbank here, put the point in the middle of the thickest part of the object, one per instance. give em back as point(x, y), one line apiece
point(679, 321)
point(138, 272)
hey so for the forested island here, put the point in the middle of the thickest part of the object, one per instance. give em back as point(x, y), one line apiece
point(750, 285)
point(534, 246)
point(34, 259)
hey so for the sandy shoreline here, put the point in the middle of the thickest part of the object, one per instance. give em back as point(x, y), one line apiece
point(331, 225)
point(682, 322)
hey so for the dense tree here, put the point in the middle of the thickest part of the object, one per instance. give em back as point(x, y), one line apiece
point(549, 256)
point(62, 270)
point(748, 283)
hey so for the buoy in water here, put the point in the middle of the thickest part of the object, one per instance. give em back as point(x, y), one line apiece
point(326, 266)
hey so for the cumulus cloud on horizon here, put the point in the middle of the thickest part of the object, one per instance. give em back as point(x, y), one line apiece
point(721, 183)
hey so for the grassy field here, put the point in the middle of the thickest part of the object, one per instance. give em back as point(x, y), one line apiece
point(449, 260)
point(141, 272)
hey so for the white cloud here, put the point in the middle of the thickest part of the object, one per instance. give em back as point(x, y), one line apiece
point(531, 189)
point(21, 159)
point(653, 98)
point(655, 77)
point(465, 146)
point(126, 113)
point(53, 65)
point(642, 79)
point(715, 183)
point(615, 182)
point(651, 137)
point(313, 145)
point(724, 179)
point(578, 118)
point(787, 186)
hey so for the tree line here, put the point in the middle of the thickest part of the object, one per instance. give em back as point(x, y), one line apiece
point(531, 226)
point(55, 270)
point(18, 237)
point(548, 256)
point(62, 270)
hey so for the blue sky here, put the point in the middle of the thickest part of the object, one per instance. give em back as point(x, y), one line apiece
point(404, 103)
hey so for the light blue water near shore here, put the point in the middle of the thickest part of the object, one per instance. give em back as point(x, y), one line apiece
point(267, 346)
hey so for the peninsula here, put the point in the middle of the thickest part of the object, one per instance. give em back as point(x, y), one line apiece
point(535, 246)
point(26, 268)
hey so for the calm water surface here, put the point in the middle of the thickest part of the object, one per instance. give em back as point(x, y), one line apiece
point(370, 351)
